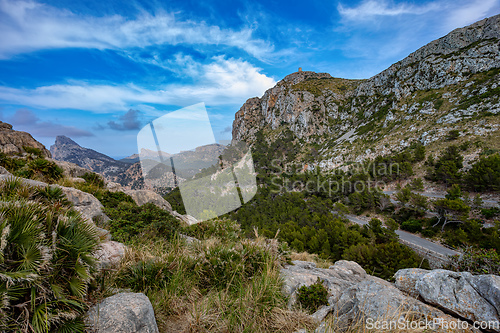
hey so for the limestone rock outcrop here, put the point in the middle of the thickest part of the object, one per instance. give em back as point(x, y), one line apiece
point(142, 197)
point(12, 141)
point(418, 295)
point(471, 297)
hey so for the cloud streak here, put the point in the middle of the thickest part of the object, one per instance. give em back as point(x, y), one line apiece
point(220, 82)
point(26, 120)
point(470, 13)
point(29, 26)
point(370, 9)
point(127, 122)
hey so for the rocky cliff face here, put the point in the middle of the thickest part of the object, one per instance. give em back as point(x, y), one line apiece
point(12, 142)
point(449, 84)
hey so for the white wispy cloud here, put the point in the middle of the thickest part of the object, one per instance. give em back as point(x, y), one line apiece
point(369, 9)
point(381, 32)
point(27, 26)
point(220, 82)
point(471, 12)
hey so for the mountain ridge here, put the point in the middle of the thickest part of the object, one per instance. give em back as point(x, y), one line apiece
point(448, 84)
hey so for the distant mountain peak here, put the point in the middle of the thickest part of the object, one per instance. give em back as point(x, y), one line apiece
point(64, 140)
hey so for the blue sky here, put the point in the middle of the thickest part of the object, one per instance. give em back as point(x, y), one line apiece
point(98, 71)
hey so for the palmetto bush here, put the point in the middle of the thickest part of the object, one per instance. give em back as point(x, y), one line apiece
point(41, 169)
point(45, 262)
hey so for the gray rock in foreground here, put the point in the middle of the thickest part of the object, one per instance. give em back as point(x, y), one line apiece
point(488, 286)
point(377, 299)
point(476, 298)
point(336, 278)
point(356, 297)
point(123, 313)
point(109, 254)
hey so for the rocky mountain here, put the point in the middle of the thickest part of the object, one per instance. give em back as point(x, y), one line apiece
point(128, 172)
point(449, 84)
point(65, 149)
point(13, 142)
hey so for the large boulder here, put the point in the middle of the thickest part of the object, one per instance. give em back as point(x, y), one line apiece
point(405, 279)
point(475, 298)
point(375, 300)
point(358, 298)
point(88, 205)
point(453, 292)
point(336, 278)
point(488, 286)
point(123, 313)
point(142, 197)
point(110, 254)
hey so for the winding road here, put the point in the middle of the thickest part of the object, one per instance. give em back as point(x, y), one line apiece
point(413, 239)
point(417, 240)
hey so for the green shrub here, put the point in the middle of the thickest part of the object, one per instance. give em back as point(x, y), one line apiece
point(40, 169)
point(225, 229)
point(465, 145)
point(490, 212)
point(477, 261)
point(227, 266)
point(485, 174)
point(412, 226)
point(312, 297)
point(45, 267)
point(452, 135)
point(419, 153)
point(52, 195)
point(129, 221)
point(144, 276)
point(429, 232)
point(175, 199)
point(447, 167)
point(113, 199)
point(384, 260)
point(32, 150)
point(94, 179)
point(417, 184)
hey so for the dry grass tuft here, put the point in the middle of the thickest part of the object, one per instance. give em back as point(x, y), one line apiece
point(304, 256)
